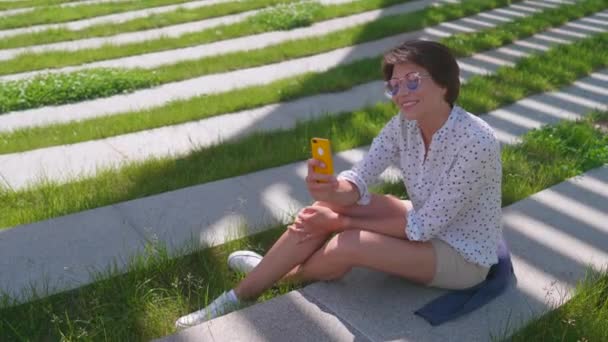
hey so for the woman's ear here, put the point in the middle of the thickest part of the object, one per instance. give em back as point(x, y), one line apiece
point(444, 92)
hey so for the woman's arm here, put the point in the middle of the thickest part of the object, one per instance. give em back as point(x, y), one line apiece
point(389, 225)
point(383, 152)
point(384, 215)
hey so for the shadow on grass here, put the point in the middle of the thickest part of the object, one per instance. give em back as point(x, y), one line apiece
point(141, 315)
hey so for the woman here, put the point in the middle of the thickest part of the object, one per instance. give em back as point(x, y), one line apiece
point(446, 236)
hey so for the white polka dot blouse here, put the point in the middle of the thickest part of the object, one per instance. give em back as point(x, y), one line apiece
point(455, 191)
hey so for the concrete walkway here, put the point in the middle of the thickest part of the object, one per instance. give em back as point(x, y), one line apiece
point(215, 83)
point(109, 19)
point(62, 163)
point(245, 43)
point(61, 252)
point(129, 37)
point(553, 235)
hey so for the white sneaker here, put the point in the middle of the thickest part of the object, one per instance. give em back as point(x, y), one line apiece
point(225, 303)
point(243, 261)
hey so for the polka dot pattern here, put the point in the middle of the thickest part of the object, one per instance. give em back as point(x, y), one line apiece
point(455, 190)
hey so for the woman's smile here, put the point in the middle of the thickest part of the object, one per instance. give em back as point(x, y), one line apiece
point(408, 104)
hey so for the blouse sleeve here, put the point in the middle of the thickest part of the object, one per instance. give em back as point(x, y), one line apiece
point(477, 164)
point(383, 152)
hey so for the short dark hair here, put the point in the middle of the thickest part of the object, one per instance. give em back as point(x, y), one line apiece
point(436, 58)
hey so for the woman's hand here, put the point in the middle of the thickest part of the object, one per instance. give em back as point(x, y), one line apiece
point(316, 221)
point(321, 187)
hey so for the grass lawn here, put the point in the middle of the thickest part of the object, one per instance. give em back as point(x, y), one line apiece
point(278, 17)
point(535, 74)
point(582, 319)
point(143, 303)
point(158, 287)
point(14, 4)
point(380, 28)
point(57, 14)
point(566, 62)
point(41, 90)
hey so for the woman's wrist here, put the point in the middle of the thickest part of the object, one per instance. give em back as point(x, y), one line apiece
point(343, 223)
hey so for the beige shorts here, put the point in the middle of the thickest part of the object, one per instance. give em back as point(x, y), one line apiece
point(452, 271)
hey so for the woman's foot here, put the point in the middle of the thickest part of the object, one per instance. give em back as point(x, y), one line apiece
point(243, 261)
point(225, 303)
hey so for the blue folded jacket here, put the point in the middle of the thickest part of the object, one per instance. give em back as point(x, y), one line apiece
point(457, 303)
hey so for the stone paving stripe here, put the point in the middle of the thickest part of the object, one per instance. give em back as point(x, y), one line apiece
point(109, 19)
point(60, 253)
point(238, 44)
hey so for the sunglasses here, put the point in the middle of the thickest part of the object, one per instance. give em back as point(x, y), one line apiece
point(411, 82)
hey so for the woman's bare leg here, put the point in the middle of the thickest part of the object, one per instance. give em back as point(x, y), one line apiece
point(411, 260)
point(287, 254)
point(284, 255)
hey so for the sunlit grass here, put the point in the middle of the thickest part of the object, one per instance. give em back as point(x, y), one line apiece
point(143, 303)
point(347, 130)
point(563, 64)
point(9, 5)
point(377, 29)
point(57, 14)
point(582, 319)
point(152, 21)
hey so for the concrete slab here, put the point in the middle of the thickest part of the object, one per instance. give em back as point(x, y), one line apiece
point(21, 170)
point(181, 29)
point(64, 162)
point(112, 18)
point(205, 215)
point(62, 253)
point(214, 213)
point(291, 317)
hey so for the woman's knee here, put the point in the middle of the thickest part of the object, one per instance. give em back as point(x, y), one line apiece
point(344, 245)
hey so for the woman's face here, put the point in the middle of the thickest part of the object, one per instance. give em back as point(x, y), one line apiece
point(418, 95)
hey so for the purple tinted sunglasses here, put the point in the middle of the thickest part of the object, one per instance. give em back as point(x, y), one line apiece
point(411, 82)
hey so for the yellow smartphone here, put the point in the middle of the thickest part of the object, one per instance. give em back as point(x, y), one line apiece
point(321, 150)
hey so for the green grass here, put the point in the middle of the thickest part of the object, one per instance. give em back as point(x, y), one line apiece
point(380, 28)
point(31, 3)
point(155, 21)
point(51, 89)
point(460, 44)
point(463, 45)
point(135, 306)
point(57, 14)
point(535, 74)
point(582, 319)
point(248, 27)
point(557, 67)
point(143, 303)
